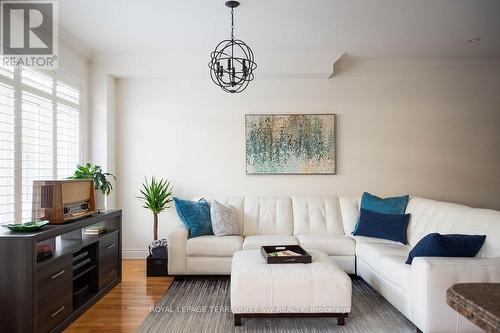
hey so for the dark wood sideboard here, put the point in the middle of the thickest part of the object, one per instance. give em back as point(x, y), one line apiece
point(46, 295)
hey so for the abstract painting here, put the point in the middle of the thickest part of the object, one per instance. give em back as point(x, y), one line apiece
point(290, 144)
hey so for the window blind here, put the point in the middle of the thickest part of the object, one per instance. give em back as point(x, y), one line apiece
point(37, 80)
point(68, 93)
point(7, 71)
point(37, 145)
point(39, 135)
point(68, 139)
point(7, 152)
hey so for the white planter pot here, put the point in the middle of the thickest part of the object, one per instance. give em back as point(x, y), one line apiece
point(100, 200)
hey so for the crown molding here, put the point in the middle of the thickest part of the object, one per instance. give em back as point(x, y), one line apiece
point(420, 63)
point(270, 66)
point(336, 62)
point(70, 42)
point(164, 64)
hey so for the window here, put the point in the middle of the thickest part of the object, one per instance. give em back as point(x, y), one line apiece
point(39, 135)
point(7, 148)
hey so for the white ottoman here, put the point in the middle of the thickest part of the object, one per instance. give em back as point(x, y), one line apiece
point(318, 289)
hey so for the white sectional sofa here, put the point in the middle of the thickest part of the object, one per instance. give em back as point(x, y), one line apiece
point(325, 223)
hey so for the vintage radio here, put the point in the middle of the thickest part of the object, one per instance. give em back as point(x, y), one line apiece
point(60, 201)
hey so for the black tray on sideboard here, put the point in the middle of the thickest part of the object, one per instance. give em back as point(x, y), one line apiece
point(303, 258)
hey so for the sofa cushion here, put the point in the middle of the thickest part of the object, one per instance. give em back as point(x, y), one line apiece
point(213, 246)
point(370, 253)
point(349, 209)
point(394, 269)
point(223, 218)
point(195, 215)
point(386, 226)
point(267, 215)
point(451, 245)
point(256, 241)
point(235, 202)
point(393, 205)
point(428, 216)
point(316, 215)
point(333, 245)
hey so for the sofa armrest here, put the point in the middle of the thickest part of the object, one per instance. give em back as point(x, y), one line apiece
point(176, 239)
point(432, 276)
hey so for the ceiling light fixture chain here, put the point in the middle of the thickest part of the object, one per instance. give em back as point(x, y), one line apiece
point(238, 58)
point(232, 23)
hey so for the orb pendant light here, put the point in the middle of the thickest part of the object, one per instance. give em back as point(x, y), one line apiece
point(232, 62)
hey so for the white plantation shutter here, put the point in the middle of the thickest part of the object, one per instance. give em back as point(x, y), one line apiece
point(37, 145)
point(7, 148)
point(6, 71)
point(68, 139)
point(68, 93)
point(37, 80)
point(68, 129)
point(39, 136)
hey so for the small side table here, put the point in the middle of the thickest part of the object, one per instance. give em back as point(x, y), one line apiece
point(478, 302)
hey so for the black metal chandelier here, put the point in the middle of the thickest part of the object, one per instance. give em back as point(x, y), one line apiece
point(232, 62)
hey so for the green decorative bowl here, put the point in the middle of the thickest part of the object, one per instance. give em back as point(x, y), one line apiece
point(25, 227)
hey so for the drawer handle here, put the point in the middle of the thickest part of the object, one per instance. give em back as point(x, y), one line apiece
point(111, 246)
point(57, 274)
point(57, 312)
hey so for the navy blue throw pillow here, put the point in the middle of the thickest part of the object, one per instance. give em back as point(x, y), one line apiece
point(195, 216)
point(392, 205)
point(451, 245)
point(386, 226)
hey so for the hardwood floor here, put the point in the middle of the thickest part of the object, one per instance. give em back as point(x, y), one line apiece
point(125, 307)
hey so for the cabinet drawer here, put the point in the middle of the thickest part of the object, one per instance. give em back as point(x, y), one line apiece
point(108, 259)
point(107, 243)
point(107, 273)
point(48, 271)
point(54, 310)
point(54, 278)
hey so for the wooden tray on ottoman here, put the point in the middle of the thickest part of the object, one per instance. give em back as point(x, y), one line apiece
point(302, 258)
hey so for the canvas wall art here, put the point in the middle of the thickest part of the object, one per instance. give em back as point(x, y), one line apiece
point(290, 144)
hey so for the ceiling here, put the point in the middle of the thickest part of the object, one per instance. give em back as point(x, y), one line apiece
point(365, 29)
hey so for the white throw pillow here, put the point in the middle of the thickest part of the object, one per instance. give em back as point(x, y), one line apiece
point(223, 218)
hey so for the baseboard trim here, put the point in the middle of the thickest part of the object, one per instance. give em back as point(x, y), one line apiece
point(134, 254)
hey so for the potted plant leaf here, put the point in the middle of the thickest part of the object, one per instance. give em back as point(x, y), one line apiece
point(102, 183)
point(156, 196)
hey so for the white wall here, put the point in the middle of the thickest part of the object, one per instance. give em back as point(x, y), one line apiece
point(102, 123)
point(427, 131)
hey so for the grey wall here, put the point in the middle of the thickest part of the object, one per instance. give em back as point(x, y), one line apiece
point(427, 131)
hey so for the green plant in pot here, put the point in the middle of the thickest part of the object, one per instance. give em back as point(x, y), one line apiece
point(102, 182)
point(156, 196)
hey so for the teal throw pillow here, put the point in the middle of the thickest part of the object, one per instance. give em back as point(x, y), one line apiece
point(195, 216)
point(391, 205)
